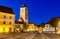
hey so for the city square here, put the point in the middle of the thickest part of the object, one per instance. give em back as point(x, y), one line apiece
point(30, 35)
point(29, 19)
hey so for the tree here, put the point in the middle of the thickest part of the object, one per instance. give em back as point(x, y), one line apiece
point(42, 25)
point(25, 27)
point(54, 24)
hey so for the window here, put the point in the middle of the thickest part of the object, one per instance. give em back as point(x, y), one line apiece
point(4, 22)
point(10, 17)
point(4, 16)
point(10, 23)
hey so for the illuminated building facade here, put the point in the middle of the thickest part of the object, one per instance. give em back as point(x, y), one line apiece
point(31, 27)
point(48, 28)
point(23, 19)
point(7, 19)
point(19, 25)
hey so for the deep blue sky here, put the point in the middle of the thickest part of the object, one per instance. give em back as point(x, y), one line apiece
point(38, 10)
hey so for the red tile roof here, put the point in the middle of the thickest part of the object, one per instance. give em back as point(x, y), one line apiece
point(6, 9)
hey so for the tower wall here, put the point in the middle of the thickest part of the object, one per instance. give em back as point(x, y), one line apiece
point(24, 14)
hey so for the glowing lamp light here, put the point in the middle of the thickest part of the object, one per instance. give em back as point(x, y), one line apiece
point(31, 29)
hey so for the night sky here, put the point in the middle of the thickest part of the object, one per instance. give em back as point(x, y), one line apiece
point(38, 10)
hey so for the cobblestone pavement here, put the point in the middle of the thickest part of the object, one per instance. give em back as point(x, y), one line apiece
point(30, 35)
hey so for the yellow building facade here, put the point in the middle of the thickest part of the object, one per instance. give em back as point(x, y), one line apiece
point(31, 27)
point(40, 29)
point(7, 20)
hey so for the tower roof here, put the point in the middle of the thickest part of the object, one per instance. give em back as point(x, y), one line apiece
point(17, 22)
point(6, 9)
point(24, 5)
point(21, 20)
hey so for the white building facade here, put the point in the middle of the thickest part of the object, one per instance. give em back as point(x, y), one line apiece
point(48, 28)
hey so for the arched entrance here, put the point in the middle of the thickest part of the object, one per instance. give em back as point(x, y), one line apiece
point(10, 29)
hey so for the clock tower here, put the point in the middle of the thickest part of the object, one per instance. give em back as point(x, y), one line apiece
point(24, 13)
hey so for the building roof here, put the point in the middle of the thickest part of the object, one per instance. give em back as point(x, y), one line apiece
point(17, 22)
point(6, 9)
point(31, 23)
point(53, 20)
point(21, 19)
